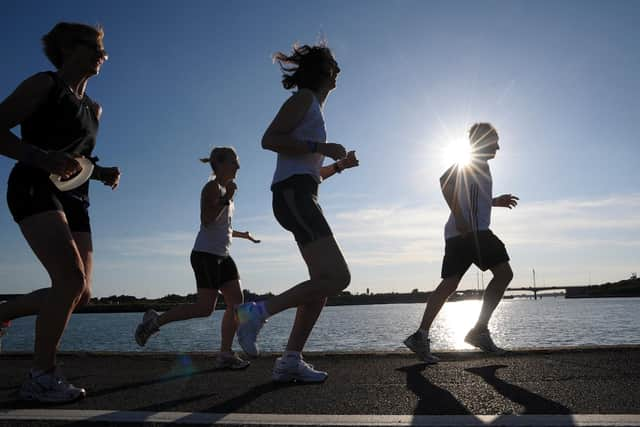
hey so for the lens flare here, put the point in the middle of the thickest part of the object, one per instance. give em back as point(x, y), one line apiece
point(457, 152)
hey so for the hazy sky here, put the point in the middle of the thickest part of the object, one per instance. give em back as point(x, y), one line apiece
point(557, 79)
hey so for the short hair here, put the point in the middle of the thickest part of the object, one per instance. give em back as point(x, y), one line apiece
point(479, 131)
point(219, 155)
point(303, 67)
point(64, 35)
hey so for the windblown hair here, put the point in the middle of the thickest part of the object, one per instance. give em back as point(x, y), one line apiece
point(219, 155)
point(480, 131)
point(303, 68)
point(65, 35)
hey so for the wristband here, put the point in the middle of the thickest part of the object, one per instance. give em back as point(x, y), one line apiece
point(313, 146)
point(225, 200)
point(337, 168)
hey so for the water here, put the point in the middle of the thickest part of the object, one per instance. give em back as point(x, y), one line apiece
point(551, 322)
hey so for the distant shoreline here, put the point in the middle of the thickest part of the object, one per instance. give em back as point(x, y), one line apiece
point(141, 308)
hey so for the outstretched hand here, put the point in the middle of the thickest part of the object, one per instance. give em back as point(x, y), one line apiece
point(506, 201)
point(248, 236)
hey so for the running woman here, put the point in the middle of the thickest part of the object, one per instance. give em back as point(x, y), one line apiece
point(214, 268)
point(298, 135)
point(59, 123)
point(468, 240)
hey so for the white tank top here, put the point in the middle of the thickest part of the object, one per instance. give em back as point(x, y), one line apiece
point(311, 128)
point(215, 238)
point(473, 185)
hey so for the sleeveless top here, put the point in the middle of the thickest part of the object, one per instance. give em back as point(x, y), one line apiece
point(474, 187)
point(311, 128)
point(215, 238)
point(63, 123)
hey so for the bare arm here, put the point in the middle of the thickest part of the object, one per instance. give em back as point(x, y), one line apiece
point(278, 136)
point(348, 162)
point(211, 204)
point(244, 235)
point(449, 187)
point(18, 106)
point(14, 110)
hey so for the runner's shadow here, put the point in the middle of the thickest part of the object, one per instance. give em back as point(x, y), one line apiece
point(532, 403)
point(432, 400)
point(238, 402)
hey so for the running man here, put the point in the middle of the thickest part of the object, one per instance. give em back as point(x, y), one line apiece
point(298, 135)
point(468, 240)
point(214, 268)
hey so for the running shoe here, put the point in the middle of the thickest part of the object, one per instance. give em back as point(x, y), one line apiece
point(421, 346)
point(250, 321)
point(481, 338)
point(288, 369)
point(148, 327)
point(50, 387)
point(232, 361)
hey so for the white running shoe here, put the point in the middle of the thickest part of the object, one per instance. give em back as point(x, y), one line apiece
point(288, 369)
point(421, 346)
point(481, 338)
point(50, 387)
point(231, 361)
point(250, 321)
point(148, 327)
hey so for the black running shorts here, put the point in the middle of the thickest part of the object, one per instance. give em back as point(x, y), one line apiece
point(296, 208)
point(482, 248)
point(213, 271)
point(30, 192)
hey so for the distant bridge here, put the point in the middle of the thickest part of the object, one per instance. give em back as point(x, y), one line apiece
point(536, 289)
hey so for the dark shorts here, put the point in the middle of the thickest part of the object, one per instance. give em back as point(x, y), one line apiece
point(482, 248)
point(213, 271)
point(30, 192)
point(296, 208)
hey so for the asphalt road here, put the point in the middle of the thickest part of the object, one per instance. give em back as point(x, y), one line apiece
point(577, 381)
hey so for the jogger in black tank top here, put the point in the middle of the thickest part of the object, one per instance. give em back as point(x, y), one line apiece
point(59, 123)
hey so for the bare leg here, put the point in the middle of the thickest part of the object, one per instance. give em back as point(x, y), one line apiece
point(436, 300)
point(329, 275)
point(502, 276)
point(51, 240)
point(203, 307)
point(85, 248)
point(25, 305)
point(306, 317)
point(232, 297)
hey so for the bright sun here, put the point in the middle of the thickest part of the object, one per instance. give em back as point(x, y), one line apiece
point(457, 151)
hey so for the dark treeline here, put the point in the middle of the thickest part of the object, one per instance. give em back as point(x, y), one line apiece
point(127, 303)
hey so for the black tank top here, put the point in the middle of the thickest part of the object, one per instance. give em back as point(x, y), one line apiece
point(63, 123)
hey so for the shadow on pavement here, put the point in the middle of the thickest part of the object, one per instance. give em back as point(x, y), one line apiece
point(532, 403)
point(432, 400)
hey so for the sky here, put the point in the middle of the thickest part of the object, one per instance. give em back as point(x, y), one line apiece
point(557, 79)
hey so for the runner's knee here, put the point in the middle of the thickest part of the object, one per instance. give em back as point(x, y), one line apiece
point(504, 273)
point(71, 283)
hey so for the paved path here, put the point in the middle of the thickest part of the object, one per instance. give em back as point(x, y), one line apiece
point(603, 380)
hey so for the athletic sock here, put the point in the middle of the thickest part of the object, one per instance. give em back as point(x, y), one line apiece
point(424, 333)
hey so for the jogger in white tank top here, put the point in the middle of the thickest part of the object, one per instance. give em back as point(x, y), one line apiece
point(298, 135)
point(214, 269)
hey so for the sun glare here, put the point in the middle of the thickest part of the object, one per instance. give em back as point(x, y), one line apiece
point(457, 151)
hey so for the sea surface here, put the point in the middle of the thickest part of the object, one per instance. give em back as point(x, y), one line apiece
point(517, 323)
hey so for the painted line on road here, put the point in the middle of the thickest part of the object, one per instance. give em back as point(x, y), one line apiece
point(202, 418)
